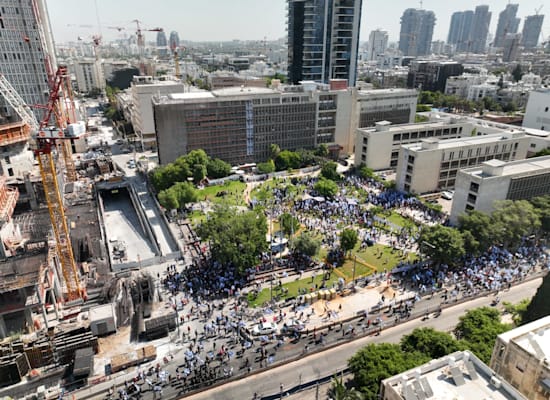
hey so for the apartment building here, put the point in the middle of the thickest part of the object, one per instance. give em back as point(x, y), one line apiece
point(378, 148)
point(521, 357)
point(460, 375)
point(432, 75)
point(89, 75)
point(142, 91)
point(397, 106)
point(537, 113)
point(478, 188)
point(433, 164)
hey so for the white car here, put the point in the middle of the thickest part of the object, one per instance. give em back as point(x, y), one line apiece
point(265, 328)
point(447, 195)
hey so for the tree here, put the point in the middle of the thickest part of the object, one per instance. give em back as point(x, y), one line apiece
point(185, 192)
point(513, 220)
point(339, 391)
point(539, 306)
point(517, 73)
point(542, 208)
point(326, 187)
point(289, 224)
point(428, 341)
point(367, 173)
point(287, 159)
point(441, 243)
point(196, 157)
point(306, 244)
point(236, 239)
point(168, 199)
point(266, 167)
point(217, 168)
point(322, 150)
point(348, 239)
point(199, 173)
point(478, 330)
point(376, 362)
point(517, 311)
point(329, 171)
point(480, 227)
point(274, 150)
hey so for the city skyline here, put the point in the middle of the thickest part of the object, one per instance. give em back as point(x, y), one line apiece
point(245, 19)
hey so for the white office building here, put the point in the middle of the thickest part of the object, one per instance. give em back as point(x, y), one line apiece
point(378, 43)
point(537, 113)
point(378, 148)
point(395, 105)
point(478, 188)
point(89, 75)
point(433, 164)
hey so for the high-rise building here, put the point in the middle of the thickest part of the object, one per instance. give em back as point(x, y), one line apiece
point(89, 75)
point(323, 40)
point(480, 29)
point(460, 30)
point(531, 30)
point(417, 26)
point(378, 42)
point(507, 23)
point(162, 44)
point(27, 48)
point(174, 40)
point(511, 47)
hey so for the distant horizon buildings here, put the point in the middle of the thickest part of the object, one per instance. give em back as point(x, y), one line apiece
point(417, 26)
point(378, 43)
point(469, 29)
point(532, 26)
point(507, 23)
point(162, 44)
point(323, 40)
point(174, 40)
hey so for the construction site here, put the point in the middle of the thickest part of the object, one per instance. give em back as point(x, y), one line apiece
point(75, 239)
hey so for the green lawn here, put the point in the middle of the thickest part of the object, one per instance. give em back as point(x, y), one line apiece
point(196, 218)
point(234, 193)
point(381, 257)
point(306, 283)
point(397, 220)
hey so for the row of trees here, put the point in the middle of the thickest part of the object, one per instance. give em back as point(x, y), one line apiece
point(287, 159)
point(196, 165)
point(508, 225)
point(476, 331)
point(453, 102)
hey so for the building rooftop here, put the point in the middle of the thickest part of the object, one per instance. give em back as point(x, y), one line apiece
point(533, 337)
point(386, 126)
point(495, 167)
point(370, 92)
point(101, 312)
point(236, 91)
point(433, 143)
point(458, 376)
point(21, 271)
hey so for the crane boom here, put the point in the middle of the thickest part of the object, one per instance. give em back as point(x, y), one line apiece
point(17, 103)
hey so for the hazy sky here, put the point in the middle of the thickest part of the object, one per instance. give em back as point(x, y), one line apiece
point(245, 19)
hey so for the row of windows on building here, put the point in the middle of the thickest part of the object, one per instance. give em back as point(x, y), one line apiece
point(478, 151)
point(401, 137)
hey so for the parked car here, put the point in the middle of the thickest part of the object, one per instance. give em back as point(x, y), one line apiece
point(265, 328)
point(119, 141)
point(447, 195)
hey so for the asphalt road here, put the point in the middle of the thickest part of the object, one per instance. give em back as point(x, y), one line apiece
point(330, 361)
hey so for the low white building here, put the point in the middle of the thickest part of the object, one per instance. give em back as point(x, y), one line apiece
point(102, 320)
point(460, 375)
point(433, 164)
point(395, 105)
point(478, 188)
point(537, 113)
point(478, 92)
point(89, 74)
point(521, 357)
point(378, 148)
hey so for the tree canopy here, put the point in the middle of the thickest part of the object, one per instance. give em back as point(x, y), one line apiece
point(236, 239)
point(480, 227)
point(376, 362)
point(266, 167)
point(478, 330)
point(348, 239)
point(328, 171)
point(542, 208)
point(428, 341)
point(178, 195)
point(441, 243)
point(326, 187)
point(217, 168)
point(512, 221)
point(306, 244)
point(289, 223)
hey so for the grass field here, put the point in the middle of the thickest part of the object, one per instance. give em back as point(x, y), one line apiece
point(234, 193)
point(398, 220)
point(306, 283)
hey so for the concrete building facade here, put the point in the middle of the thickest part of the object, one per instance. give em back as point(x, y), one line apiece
point(397, 106)
point(378, 43)
point(460, 375)
point(417, 26)
point(378, 148)
point(537, 112)
point(521, 357)
point(89, 75)
point(141, 112)
point(507, 23)
point(532, 27)
point(480, 29)
point(432, 75)
point(433, 165)
point(323, 40)
point(460, 30)
point(478, 188)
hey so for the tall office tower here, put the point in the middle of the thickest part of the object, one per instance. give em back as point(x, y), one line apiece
point(174, 40)
point(162, 44)
point(507, 23)
point(460, 30)
point(531, 30)
point(323, 40)
point(511, 47)
point(378, 42)
point(480, 29)
point(28, 52)
point(417, 28)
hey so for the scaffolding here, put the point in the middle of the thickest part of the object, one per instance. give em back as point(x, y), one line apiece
point(13, 133)
point(8, 200)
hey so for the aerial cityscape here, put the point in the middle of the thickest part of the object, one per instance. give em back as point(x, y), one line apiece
point(298, 199)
